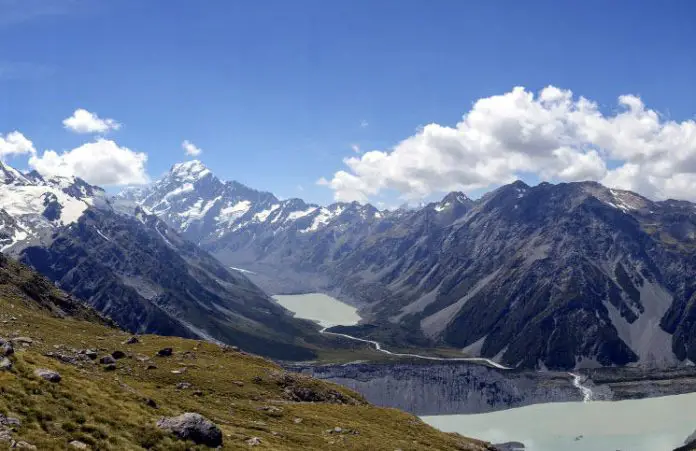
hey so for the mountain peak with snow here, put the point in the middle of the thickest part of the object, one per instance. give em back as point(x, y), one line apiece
point(189, 171)
point(38, 206)
point(11, 176)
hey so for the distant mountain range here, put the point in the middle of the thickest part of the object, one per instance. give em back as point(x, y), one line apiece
point(551, 276)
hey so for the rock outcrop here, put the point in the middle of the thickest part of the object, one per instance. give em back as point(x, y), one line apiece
point(194, 427)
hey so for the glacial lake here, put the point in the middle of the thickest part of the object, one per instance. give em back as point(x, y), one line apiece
point(321, 308)
point(653, 424)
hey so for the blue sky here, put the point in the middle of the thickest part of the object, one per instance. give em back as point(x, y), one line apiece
point(277, 92)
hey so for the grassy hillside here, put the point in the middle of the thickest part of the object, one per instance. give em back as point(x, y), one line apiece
point(117, 408)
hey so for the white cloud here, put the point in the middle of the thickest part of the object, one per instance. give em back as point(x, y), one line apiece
point(102, 162)
point(364, 124)
point(553, 135)
point(15, 143)
point(83, 121)
point(191, 149)
point(355, 148)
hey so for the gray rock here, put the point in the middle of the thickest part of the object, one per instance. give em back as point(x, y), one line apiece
point(253, 441)
point(76, 444)
point(23, 445)
point(165, 352)
point(132, 340)
point(118, 354)
point(22, 341)
point(5, 364)
point(46, 374)
point(91, 354)
point(7, 350)
point(107, 359)
point(194, 427)
point(7, 426)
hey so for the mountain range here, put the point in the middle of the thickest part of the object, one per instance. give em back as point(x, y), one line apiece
point(550, 276)
point(135, 269)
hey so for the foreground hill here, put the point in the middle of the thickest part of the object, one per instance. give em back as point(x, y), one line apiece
point(104, 402)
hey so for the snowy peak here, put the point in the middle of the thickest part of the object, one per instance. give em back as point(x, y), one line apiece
point(189, 171)
point(34, 207)
point(456, 197)
point(11, 176)
point(455, 202)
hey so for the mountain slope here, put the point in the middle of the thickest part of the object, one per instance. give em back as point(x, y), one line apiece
point(554, 275)
point(115, 407)
point(148, 279)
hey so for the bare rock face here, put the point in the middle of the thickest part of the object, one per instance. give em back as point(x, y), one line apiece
point(446, 387)
point(194, 427)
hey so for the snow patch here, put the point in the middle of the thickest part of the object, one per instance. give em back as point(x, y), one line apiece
point(295, 215)
point(262, 216)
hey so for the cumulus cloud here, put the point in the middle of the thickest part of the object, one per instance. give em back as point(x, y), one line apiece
point(83, 121)
point(15, 143)
point(102, 162)
point(191, 149)
point(551, 134)
point(355, 148)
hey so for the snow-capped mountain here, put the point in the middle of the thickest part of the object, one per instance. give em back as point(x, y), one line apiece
point(32, 207)
point(205, 209)
point(133, 267)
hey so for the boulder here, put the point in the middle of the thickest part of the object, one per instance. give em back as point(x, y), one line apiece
point(76, 444)
point(131, 341)
point(165, 352)
point(7, 350)
point(194, 427)
point(107, 360)
point(46, 374)
point(5, 364)
point(118, 354)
